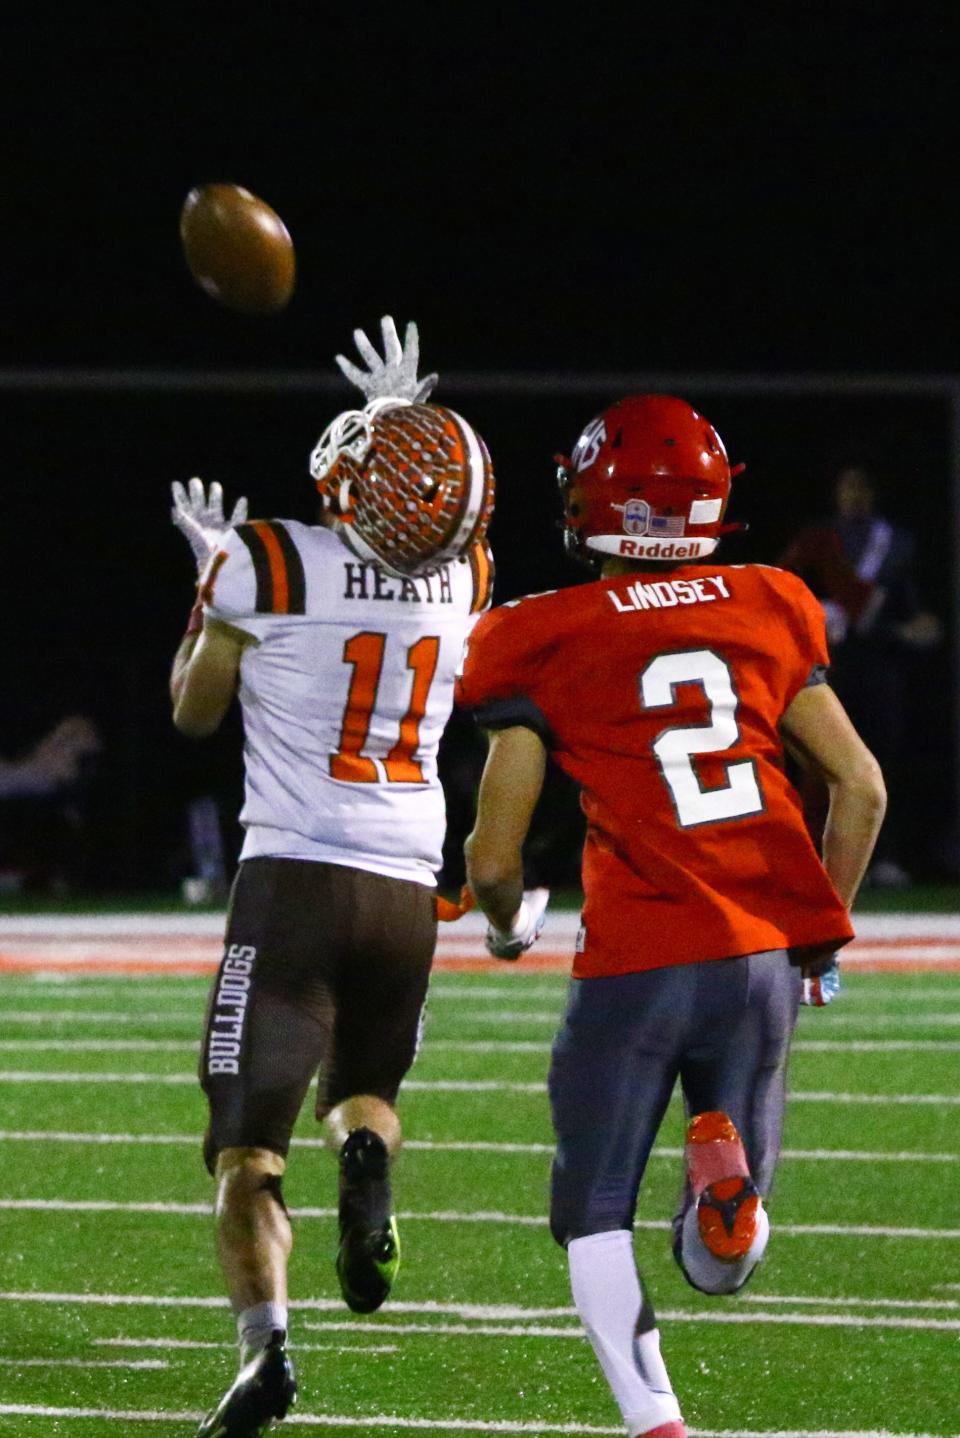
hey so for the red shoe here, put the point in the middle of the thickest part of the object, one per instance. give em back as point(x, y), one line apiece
point(728, 1203)
point(665, 1430)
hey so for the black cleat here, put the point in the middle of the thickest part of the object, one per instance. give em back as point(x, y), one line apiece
point(367, 1263)
point(369, 1253)
point(263, 1390)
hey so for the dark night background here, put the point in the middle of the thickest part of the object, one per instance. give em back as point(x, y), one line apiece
point(710, 192)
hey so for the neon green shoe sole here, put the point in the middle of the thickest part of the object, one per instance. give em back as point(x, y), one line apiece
point(367, 1265)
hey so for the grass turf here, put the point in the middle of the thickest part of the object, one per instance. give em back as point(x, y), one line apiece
point(826, 1338)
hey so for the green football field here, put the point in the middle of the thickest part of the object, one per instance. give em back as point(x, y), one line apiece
point(112, 1320)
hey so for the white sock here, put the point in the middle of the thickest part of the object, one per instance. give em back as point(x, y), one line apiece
point(709, 1273)
point(606, 1290)
point(257, 1325)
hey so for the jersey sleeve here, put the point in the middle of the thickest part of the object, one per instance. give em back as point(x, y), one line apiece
point(497, 680)
point(257, 571)
point(482, 573)
point(228, 586)
point(806, 620)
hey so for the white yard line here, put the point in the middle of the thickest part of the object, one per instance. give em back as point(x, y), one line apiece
point(875, 1046)
point(131, 1363)
point(27, 1076)
point(382, 1422)
point(422, 1145)
point(521, 1220)
point(104, 1076)
point(54, 984)
point(478, 1312)
point(909, 989)
point(674, 1315)
point(100, 1046)
point(938, 1100)
point(191, 1344)
point(845, 1046)
point(906, 1018)
point(464, 1046)
point(812, 1320)
point(454, 1020)
point(808, 1300)
point(100, 1016)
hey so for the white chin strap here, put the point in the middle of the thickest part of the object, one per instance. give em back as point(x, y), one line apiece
point(630, 546)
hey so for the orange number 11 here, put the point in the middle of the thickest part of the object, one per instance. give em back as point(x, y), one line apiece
point(365, 652)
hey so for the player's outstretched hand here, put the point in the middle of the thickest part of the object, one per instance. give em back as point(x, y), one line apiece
point(822, 987)
point(524, 931)
point(199, 517)
point(395, 375)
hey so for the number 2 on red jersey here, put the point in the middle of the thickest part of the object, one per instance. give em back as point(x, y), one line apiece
point(677, 747)
point(366, 653)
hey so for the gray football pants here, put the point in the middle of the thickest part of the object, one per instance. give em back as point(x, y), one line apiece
point(723, 1028)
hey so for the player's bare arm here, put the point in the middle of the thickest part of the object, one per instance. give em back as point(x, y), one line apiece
point(818, 733)
point(204, 677)
point(509, 790)
point(205, 667)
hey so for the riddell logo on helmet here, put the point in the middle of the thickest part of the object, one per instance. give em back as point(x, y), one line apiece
point(669, 549)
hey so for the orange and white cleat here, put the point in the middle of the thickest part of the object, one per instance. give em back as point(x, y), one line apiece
point(727, 1199)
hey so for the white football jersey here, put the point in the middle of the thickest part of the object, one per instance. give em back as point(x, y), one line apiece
point(345, 694)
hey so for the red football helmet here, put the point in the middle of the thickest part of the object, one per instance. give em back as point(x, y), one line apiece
point(410, 486)
point(649, 479)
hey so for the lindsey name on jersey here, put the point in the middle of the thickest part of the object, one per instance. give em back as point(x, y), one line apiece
point(345, 687)
point(665, 593)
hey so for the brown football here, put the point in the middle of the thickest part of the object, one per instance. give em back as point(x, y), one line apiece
point(238, 249)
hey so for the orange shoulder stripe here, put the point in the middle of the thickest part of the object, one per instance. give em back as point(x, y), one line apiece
point(278, 567)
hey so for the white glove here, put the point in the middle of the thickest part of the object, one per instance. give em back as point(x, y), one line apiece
point(525, 930)
point(200, 519)
point(394, 376)
point(822, 988)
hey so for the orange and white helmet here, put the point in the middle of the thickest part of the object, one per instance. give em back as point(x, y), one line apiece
point(409, 485)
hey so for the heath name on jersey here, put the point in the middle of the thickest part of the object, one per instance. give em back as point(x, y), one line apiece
point(345, 689)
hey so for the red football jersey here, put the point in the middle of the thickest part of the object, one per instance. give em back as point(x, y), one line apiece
point(662, 697)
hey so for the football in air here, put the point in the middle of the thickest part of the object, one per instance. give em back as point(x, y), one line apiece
point(238, 249)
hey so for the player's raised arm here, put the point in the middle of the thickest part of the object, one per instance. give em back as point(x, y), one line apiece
point(819, 734)
point(207, 662)
point(204, 679)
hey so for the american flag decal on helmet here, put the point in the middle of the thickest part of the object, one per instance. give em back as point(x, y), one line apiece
point(667, 525)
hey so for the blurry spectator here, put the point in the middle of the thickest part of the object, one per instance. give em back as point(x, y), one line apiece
point(54, 763)
point(861, 567)
point(38, 794)
point(208, 883)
